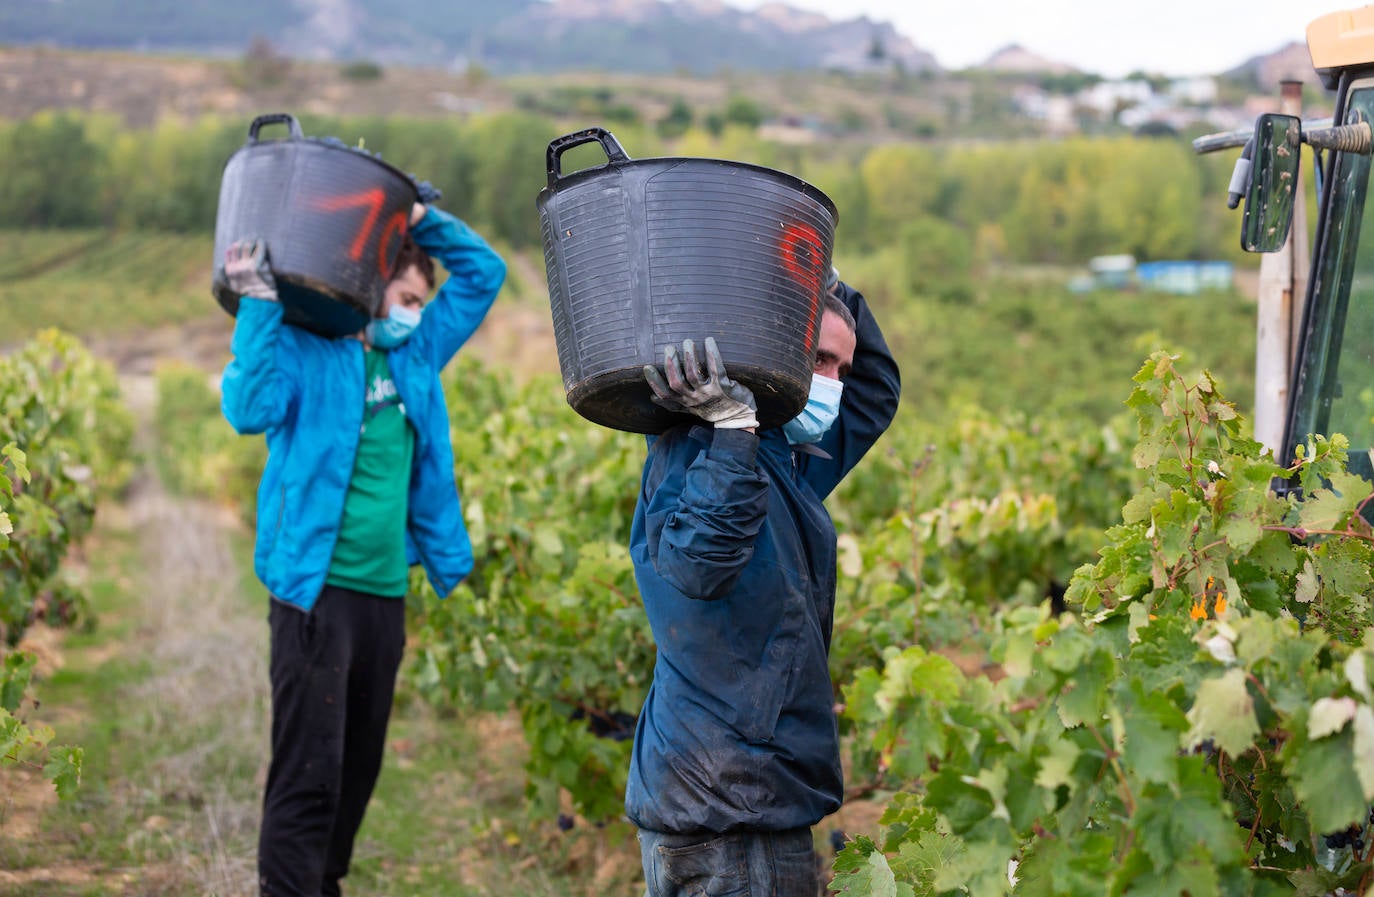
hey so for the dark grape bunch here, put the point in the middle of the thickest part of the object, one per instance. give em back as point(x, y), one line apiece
point(1352, 837)
point(613, 724)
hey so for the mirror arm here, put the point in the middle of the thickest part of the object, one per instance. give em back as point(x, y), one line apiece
point(1357, 138)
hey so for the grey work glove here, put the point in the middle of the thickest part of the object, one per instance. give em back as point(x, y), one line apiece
point(710, 395)
point(247, 272)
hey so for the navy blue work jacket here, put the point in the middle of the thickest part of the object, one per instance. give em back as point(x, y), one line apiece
point(734, 554)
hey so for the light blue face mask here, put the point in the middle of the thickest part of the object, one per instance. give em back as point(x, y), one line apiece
point(822, 407)
point(394, 329)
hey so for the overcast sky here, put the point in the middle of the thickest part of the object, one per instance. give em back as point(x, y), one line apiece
point(1109, 37)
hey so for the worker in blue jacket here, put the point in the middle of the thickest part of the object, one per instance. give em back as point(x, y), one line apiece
point(736, 753)
point(359, 485)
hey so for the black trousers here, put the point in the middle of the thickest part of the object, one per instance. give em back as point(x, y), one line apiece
point(333, 674)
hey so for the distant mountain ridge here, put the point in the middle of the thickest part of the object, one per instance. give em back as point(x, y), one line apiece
point(1291, 62)
point(530, 36)
point(515, 36)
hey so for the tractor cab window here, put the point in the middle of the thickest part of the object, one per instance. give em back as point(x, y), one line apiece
point(1335, 388)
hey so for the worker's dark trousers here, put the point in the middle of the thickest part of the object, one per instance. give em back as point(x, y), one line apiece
point(333, 674)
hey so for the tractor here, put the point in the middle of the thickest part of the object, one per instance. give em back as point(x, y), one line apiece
point(1315, 337)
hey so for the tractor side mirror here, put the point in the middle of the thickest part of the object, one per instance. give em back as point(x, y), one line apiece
point(1272, 189)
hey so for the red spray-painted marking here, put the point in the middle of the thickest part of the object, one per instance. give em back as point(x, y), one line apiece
point(799, 251)
point(373, 200)
point(395, 227)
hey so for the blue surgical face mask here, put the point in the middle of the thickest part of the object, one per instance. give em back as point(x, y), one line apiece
point(822, 407)
point(394, 329)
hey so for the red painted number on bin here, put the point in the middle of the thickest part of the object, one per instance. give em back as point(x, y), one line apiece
point(800, 253)
point(372, 200)
point(395, 228)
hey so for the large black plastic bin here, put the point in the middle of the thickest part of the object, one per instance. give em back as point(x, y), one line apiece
point(333, 219)
point(644, 253)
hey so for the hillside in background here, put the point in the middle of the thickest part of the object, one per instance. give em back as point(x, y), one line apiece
point(513, 36)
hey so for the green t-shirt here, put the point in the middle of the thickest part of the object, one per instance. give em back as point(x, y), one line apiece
point(370, 555)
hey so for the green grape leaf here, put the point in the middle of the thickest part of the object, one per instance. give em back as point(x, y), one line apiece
point(981, 869)
point(1319, 882)
point(1323, 773)
point(1191, 819)
point(1343, 567)
point(1309, 585)
point(871, 877)
point(14, 735)
point(855, 854)
point(920, 860)
point(1174, 525)
point(1153, 731)
point(64, 769)
point(1329, 716)
point(15, 674)
point(1057, 765)
point(1059, 867)
point(1082, 701)
point(1193, 875)
point(1327, 508)
point(1357, 674)
point(1249, 505)
point(18, 460)
point(1363, 749)
point(963, 804)
point(1225, 713)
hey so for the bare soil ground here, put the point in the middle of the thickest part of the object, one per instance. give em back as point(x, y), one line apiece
point(205, 699)
point(206, 702)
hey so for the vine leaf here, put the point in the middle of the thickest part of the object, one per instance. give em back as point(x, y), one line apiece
point(1364, 749)
point(1328, 508)
point(1152, 735)
point(64, 768)
point(1225, 713)
point(1322, 773)
point(1329, 716)
point(1309, 584)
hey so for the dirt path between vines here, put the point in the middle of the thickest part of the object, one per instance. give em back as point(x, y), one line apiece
point(208, 692)
point(190, 815)
point(206, 698)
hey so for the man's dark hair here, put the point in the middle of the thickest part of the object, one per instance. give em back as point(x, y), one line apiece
point(412, 254)
point(834, 304)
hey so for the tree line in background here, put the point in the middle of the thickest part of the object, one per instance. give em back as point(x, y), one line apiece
point(977, 204)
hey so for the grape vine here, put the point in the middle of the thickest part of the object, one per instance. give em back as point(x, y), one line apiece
point(64, 442)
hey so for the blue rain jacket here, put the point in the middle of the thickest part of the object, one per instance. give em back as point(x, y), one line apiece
point(734, 554)
point(306, 393)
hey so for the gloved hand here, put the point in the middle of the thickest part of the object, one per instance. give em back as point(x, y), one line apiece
point(247, 272)
point(710, 395)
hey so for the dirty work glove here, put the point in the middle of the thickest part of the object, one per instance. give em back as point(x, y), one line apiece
point(247, 272)
point(710, 394)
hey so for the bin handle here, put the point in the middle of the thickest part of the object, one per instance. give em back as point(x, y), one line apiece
point(275, 118)
point(557, 148)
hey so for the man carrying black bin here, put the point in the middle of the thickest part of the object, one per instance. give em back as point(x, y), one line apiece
point(359, 485)
point(736, 752)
